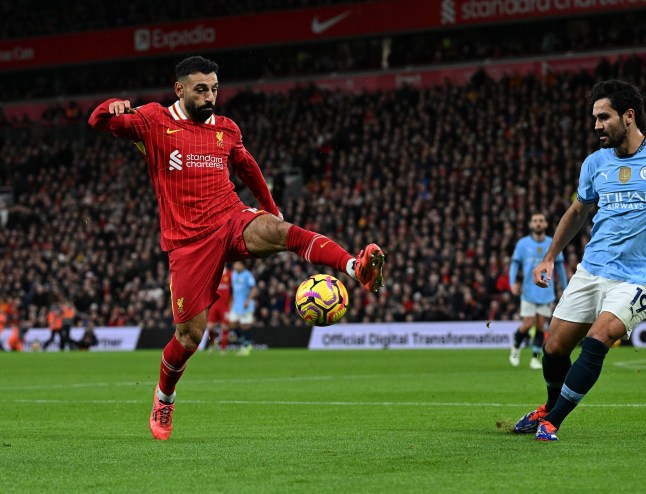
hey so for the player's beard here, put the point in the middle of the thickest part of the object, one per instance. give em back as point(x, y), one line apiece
point(199, 113)
point(616, 137)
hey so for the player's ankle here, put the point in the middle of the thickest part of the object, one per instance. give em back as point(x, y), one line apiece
point(349, 268)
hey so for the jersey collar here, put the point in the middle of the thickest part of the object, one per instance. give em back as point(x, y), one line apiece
point(176, 111)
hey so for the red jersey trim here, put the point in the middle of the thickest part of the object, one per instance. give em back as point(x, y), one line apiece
point(176, 112)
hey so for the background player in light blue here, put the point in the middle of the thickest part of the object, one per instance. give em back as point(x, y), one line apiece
point(243, 292)
point(535, 302)
point(606, 297)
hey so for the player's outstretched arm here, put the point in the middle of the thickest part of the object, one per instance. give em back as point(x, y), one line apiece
point(120, 107)
point(569, 225)
point(103, 116)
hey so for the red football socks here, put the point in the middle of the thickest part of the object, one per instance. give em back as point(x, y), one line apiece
point(173, 363)
point(317, 249)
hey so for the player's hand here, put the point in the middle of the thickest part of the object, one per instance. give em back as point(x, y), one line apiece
point(118, 108)
point(515, 289)
point(543, 273)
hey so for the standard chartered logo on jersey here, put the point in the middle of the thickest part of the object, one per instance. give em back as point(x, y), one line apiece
point(194, 161)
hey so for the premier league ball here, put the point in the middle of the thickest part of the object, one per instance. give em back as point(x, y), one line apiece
point(321, 300)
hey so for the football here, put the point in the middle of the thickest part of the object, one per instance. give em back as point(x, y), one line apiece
point(321, 300)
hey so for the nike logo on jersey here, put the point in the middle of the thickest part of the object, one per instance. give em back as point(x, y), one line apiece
point(172, 131)
point(319, 27)
point(324, 244)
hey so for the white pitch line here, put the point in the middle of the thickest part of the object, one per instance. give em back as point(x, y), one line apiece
point(322, 403)
point(630, 364)
point(210, 381)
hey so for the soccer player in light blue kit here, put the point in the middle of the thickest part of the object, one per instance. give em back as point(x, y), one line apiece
point(535, 303)
point(243, 292)
point(606, 297)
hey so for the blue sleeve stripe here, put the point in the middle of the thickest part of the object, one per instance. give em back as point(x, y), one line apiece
point(584, 201)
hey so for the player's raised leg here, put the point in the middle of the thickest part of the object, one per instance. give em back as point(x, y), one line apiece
point(268, 235)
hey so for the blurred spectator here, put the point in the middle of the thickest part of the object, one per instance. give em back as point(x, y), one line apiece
point(3, 323)
point(15, 341)
point(88, 339)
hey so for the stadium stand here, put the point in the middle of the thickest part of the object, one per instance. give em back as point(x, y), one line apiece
point(46, 20)
point(447, 176)
point(405, 50)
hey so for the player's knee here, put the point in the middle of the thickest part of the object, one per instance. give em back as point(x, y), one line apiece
point(605, 335)
point(190, 334)
point(191, 340)
point(267, 235)
point(607, 329)
point(555, 347)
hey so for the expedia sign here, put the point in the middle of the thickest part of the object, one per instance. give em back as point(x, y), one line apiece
point(163, 39)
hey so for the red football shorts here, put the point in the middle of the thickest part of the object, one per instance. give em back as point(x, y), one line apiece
point(218, 311)
point(196, 269)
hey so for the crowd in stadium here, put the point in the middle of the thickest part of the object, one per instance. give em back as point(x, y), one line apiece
point(443, 178)
point(401, 50)
point(46, 20)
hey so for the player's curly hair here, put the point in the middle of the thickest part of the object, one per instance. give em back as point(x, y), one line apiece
point(194, 65)
point(622, 96)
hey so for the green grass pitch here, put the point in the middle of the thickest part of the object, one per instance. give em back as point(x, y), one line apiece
point(283, 421)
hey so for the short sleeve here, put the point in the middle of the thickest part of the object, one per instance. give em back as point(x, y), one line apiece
point(586, 192)
point(516, 257)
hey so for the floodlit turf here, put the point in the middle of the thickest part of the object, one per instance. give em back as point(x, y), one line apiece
point(285, 421)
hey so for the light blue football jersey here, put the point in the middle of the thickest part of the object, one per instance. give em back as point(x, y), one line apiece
point(617, 249)
point(528, 254)
point(241, 285)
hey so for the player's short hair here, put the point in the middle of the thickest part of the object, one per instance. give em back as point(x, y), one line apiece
point(622, 96)
point(195, 65)
point(537, 213)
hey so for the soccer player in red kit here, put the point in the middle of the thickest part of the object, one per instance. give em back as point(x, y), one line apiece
point(217, 323)
point(203, 222)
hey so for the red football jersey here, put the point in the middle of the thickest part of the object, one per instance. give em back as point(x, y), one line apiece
point(187, 163)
